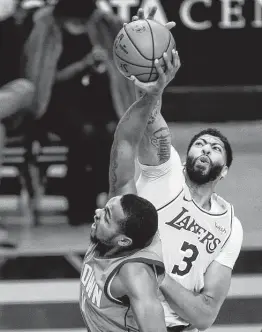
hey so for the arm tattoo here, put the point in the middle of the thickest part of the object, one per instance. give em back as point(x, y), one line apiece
point(154, 114)
point(132, 133)
point(161, 140)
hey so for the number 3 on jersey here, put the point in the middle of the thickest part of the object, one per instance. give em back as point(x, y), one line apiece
point(188, 260)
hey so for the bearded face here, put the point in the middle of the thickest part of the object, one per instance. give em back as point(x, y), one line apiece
point(205, 160)
point(105, 229)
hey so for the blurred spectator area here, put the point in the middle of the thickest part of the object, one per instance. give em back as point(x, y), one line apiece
point(48, 162)
point(192, 97)
point(32, 179)
point(212, 103)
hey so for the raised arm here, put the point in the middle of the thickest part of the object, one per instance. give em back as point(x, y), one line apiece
point(131, 128)
point(127, 137)
point(155, 146)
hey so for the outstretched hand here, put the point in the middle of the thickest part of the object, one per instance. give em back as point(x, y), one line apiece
point(164, 78)
point(141, 16)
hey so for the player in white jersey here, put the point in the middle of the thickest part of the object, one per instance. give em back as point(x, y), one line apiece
point(200, 235)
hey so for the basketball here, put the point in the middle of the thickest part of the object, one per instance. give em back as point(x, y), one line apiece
point(138, 44)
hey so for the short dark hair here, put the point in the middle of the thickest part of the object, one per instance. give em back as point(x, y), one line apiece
point(141, 222)
point(74, 8)
point(216, 133)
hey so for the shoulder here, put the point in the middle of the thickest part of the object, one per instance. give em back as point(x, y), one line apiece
point(237, 228)
point(235, 238)
point(134, 270)
point(232, 247)
point(132, 280)
point(134, 276)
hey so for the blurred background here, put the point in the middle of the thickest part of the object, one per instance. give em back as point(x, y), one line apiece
point(60, 99)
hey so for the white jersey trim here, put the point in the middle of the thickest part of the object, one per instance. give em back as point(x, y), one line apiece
point(164, 206)
point(231, 227)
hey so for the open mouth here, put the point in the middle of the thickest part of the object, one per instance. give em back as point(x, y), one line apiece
point(204, 160)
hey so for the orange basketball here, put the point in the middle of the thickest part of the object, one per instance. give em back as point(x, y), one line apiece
point(138, 44)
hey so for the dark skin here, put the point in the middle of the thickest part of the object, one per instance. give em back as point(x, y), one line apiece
point(135, 280)
point(199, 309)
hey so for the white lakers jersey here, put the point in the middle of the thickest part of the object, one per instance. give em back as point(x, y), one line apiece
point(191, 237)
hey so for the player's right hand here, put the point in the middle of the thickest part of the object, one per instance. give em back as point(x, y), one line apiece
point(157, 87)
point(141, 16)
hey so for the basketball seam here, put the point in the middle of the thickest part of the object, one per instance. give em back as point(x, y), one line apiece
point(135, 45)
point(168, 47)
point(134, 64)
point(143, 74)
point(153, 49)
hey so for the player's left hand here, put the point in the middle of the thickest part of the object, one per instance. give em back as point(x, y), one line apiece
point(157, 87)
point(141, 16)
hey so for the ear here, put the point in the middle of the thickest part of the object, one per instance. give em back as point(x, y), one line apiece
point(124, 241)
point(223, 172)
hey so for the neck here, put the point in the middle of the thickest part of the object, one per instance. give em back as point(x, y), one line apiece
point(201, 194)
point(113, 252)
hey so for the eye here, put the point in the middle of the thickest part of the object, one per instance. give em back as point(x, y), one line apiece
point(217, 148)
point(199, 143)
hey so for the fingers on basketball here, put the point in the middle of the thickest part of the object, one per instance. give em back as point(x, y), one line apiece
point(139, 84)
point(160, 71)
point(176, 60)
point(168, 63)
point(141, 14)
point(170, 25)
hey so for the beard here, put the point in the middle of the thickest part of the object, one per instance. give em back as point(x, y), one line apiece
point(101, 247)
point(198, 175)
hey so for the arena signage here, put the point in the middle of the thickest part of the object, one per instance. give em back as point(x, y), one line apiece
point(232, 12)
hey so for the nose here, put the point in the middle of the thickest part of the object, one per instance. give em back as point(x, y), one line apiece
point(206, 149)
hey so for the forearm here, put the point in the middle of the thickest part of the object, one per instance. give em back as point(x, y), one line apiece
point(155, 146)
point(132, 125)
point(194, 308)
point(127, 136)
